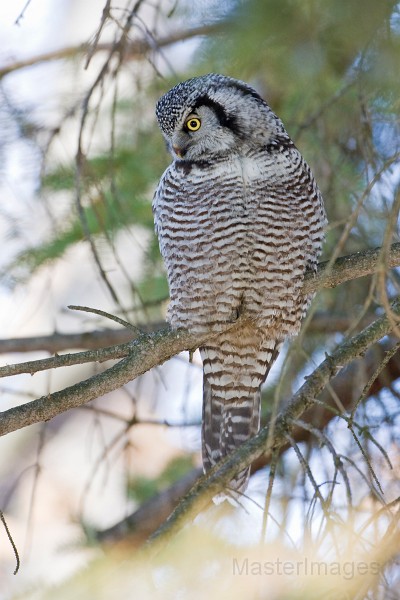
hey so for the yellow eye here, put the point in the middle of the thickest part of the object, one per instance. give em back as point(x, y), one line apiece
point(193, 123)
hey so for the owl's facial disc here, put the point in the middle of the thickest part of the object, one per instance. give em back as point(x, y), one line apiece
point(234, 118)
point(204, 131)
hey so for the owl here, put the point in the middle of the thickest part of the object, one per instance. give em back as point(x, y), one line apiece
point(240, 219)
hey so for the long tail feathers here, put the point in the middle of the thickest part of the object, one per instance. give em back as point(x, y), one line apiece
point(225, 426)
point(232, 377)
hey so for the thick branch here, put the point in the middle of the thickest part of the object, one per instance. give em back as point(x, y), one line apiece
point(344, 269)
point(142, 354)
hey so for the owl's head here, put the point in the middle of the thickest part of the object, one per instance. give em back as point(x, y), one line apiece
point(214, 115)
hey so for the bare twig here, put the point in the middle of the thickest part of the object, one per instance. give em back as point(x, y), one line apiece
point(103, 313)
point(104, 18)
point(14, 547)
point(134, 50)
point(22, 13)
point(366, 391)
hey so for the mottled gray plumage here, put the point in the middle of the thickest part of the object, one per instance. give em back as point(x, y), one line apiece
point(239, 219)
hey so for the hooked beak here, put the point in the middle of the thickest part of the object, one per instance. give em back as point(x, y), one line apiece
point(178, 151)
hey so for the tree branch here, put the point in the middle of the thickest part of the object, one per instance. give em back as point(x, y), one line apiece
point(134, 50)
point(145, 353)
point(345, 268)
point(67, 360)
point(321, 323)
point(349, 267)
point(148, 351)
point(90, 340)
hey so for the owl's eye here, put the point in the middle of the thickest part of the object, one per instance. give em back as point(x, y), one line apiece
point(193, 123)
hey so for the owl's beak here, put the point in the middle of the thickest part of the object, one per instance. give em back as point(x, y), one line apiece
point(178, 151)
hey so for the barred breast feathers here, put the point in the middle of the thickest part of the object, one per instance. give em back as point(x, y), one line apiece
point(248, 234)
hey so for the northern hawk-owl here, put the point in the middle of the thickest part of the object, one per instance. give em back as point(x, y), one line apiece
point(239, 219)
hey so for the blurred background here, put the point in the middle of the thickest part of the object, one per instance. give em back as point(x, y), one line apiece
point(80, 157)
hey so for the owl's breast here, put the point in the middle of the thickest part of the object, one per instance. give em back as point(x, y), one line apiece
point(232, 233)
point(218, 214)
point(203, 224)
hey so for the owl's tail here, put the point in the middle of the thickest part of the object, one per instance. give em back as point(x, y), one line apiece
point(234, 367)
